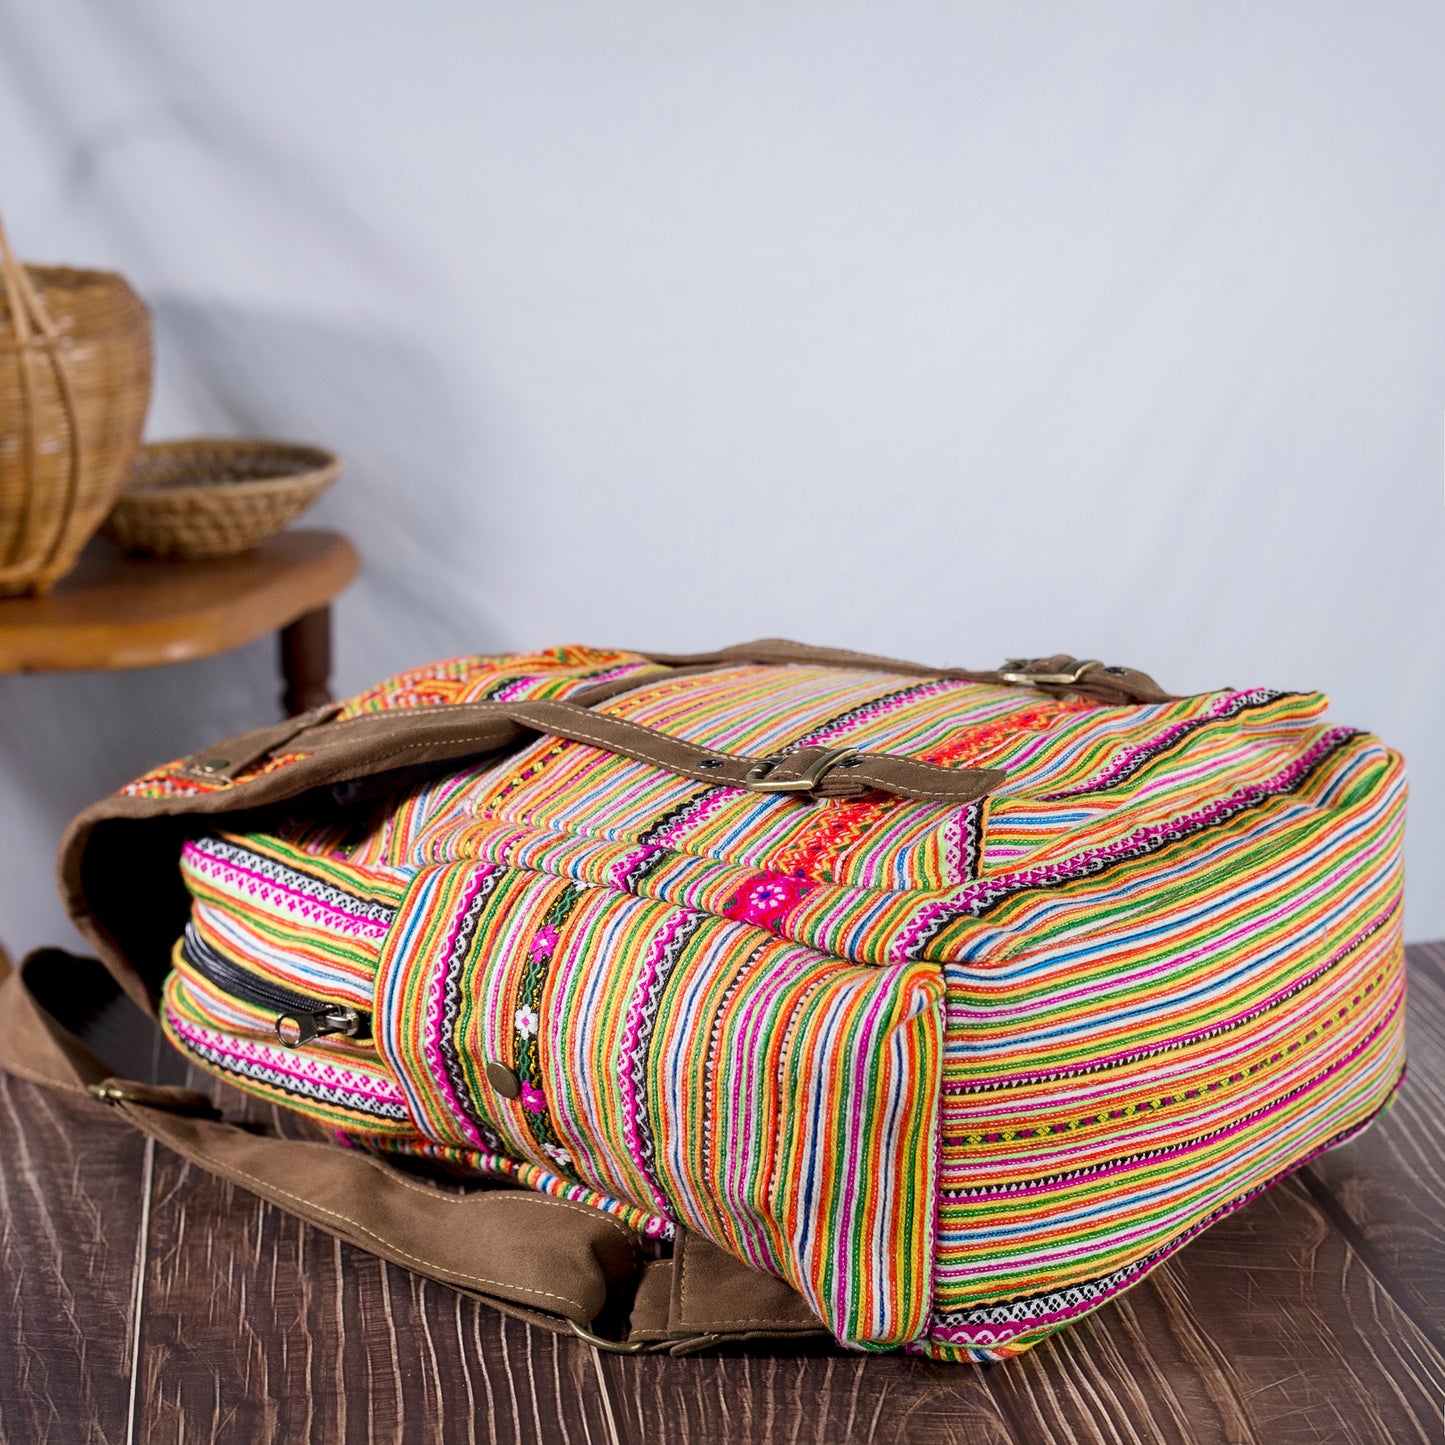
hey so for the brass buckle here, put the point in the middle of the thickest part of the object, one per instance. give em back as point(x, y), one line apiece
point(190, 1102)
point(1016, 669)
point(611, 1347)
point(757, 779)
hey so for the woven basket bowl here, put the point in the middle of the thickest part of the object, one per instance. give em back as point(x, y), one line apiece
point(214, 496)
point(75, 382)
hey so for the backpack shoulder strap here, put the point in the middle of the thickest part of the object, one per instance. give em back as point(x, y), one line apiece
point(552, 1262)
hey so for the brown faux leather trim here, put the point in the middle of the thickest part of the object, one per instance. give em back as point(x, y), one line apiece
point(238, 753)
point(715, 1293)
point(550, 1261)
point(386, 739)
point(1115, 685)
point(336, 752)
point(540, 1259)
point(559, 717)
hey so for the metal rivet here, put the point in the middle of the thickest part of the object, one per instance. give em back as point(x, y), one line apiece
point(711, 763)
point(852, 763)
point(503, 1080)
point(214, 765)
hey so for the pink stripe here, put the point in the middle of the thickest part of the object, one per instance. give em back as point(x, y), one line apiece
point(436, 999)
point(1002, 1333)
point(751, 1028)
point(1108, 1060)
point(627, 1051)
point(996, 889)
point(291, 1064)
point(854, 1195)
point(881, 708)
point(267, 890)
point(1225, 706)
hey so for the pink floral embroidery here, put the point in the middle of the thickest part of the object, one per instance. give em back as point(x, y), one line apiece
point(533, 1099)
point(526, 1021)
point(545, 942)
point(767, 898)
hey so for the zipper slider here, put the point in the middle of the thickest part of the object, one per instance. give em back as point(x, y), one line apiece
point(300, 1026)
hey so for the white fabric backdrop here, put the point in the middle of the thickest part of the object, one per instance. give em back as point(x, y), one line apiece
point(950, 331)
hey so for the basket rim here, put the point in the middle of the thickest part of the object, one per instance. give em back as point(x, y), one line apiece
point(324, 466)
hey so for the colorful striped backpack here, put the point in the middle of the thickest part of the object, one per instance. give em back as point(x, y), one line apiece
point(797, 988)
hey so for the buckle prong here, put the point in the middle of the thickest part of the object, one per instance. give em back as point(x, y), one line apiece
point(611, 1347)
point(1017, 670)
point(758, 778)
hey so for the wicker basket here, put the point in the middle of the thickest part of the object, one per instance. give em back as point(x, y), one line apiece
point(75, 382)
point(212, 496)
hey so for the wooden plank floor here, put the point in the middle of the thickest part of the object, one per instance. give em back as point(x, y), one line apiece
point(147, 1302)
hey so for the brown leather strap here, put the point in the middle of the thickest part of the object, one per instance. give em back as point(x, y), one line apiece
point(1116, 685)
point(553, 1262)
point(410, 733)
point(123, 847)
point(392, 738)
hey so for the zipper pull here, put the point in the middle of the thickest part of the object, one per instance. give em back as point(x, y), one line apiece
point(300, 1026)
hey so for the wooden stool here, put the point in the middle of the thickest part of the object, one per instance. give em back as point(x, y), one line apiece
point(115, 611)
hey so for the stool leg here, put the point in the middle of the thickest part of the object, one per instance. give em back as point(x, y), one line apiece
point(306, 662)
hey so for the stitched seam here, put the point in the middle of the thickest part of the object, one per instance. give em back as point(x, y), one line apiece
point(655, 734)
point(576, 734)
point(863, 776)
point(450, 741)
point(688, 1324)
point(268, 1187)
point(46, 1082)
point(440, 1196)
point(925, 795)
point(392, 715)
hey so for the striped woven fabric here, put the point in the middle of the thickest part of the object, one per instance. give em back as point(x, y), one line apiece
point(958, 1074)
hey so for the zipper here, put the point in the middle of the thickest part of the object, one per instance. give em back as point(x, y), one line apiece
point(300, 1018)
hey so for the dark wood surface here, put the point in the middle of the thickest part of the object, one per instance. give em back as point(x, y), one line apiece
point(148, 1302)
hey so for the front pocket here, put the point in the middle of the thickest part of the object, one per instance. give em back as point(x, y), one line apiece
point(229, 1031)
point(271, 982)
point(777, 1100)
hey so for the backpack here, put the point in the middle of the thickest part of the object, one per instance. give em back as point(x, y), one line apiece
point(787, 988)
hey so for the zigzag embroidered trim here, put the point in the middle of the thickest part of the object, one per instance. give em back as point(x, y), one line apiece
point(978, 899)
point(527, 1022)
point(293, 1072)
point(975, 1326)
point(449, 976)
point(662, 959)
point(269, 881)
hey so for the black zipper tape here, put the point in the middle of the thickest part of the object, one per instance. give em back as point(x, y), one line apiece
point(299, 1017)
